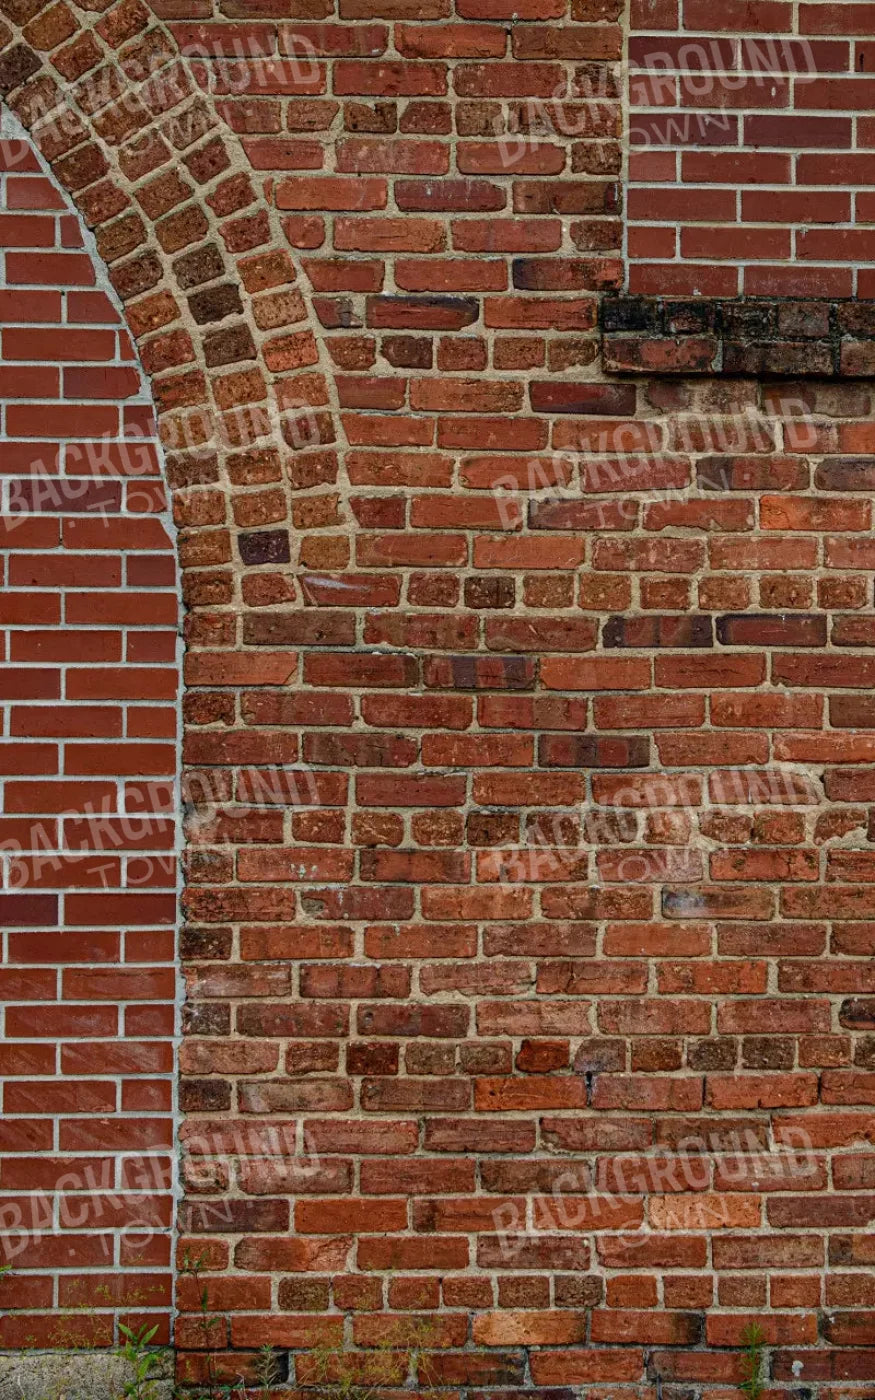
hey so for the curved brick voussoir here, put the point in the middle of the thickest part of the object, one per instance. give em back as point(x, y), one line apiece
point(211, 293)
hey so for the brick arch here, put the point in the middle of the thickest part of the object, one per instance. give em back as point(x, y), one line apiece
point(200, 276)
point(226, 336)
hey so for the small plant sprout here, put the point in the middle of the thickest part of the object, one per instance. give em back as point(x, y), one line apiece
point(141, 1359)
point(399, 1358)
point(267, 1370)
point(752, 1362)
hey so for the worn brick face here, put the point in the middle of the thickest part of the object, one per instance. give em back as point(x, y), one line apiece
point(526, 698)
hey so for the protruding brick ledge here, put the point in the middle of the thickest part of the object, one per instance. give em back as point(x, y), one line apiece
point(744, 336)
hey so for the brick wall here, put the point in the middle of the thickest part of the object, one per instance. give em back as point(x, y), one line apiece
point(527, 715)
point(89, 686)
point(750, 132)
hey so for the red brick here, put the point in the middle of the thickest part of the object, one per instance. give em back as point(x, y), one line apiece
point(542, 934)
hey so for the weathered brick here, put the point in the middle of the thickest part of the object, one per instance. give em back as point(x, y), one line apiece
point(422, 936)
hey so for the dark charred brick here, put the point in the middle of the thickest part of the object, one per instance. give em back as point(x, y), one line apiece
point(864, 1049)
point(204, 1095)
point(215, 944)
point(655, 630)
point(809, 319)
point(265, 547)
point(215, 303)
point(748, 319)
point(705, 1055)
point(768, 1052)
point(230, 346)
point(485, 592)
point(806, 357)
point(690, 317)
point(16, 66)
point(856, 318)
point(858, 1013)
point(407, 351)
point(631, 314)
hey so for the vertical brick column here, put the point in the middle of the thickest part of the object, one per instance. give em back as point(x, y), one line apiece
point(89, 614)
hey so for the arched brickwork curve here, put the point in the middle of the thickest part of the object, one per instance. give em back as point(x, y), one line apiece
point(229, 345)
point(225, 332)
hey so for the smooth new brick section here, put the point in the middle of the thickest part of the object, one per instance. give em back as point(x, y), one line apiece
point(88, 817)
point(750, 133)
point(528, 718)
